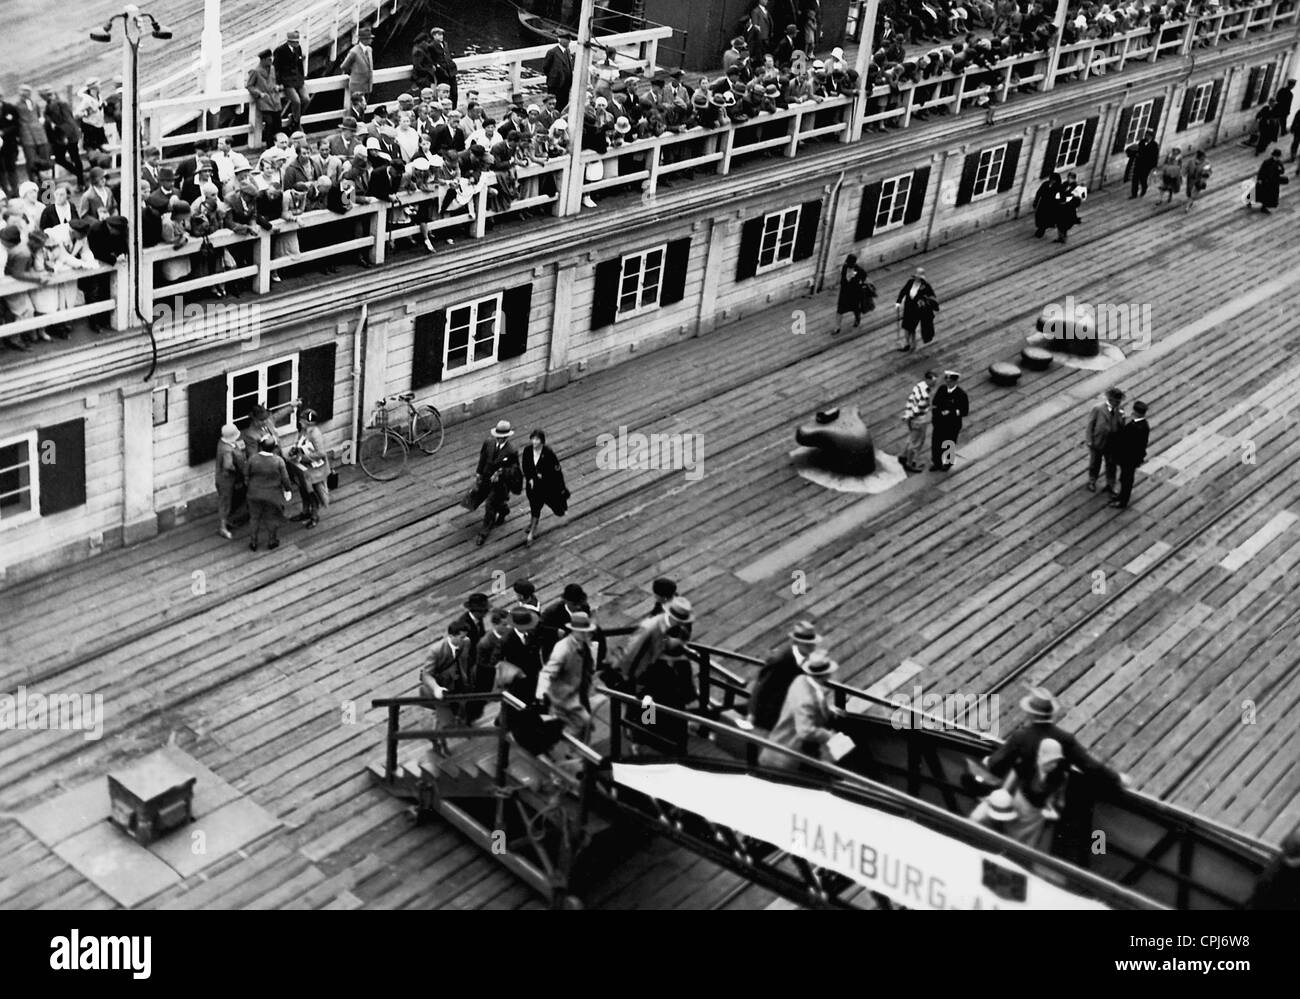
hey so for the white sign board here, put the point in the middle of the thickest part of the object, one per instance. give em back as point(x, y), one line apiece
point(901, 859)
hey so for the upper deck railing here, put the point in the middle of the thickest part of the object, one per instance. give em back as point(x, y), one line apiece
point(637, 165)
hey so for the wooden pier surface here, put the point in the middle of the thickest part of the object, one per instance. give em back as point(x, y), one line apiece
point(1181, 669)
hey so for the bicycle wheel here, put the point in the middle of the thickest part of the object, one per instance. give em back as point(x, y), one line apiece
point(383, 455)
point(428, 429)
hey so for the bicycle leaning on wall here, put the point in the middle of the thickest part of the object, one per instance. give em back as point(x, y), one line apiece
point(384, 451)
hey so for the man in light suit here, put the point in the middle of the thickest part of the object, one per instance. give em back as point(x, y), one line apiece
point(647, 642)
point(1103, 423)
point(776, 675)
point(445, 673)
point(359, 64)
point(1131, 451)
point(265, 94)
point(567, 674)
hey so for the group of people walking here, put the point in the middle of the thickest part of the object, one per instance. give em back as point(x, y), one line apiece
point(503, 471)
point(256, 475)
point(1056, 205)
point(1188, 171)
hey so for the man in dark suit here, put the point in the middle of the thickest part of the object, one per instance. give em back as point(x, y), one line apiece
point(444, 66)
point(948, 407)
point(31, 134)
point(785, 46)
point(517, 673)
point(496, 477)
point(556, 618)
point(150, 164)
point(476, 608)
point(287, 61)
point(10, 143)
point(558, 67)
point(345, 141)
point(486, 657)
point(774, 679)
point(1145, 159)
point(1130, 451)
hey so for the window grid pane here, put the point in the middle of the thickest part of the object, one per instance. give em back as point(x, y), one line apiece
point(15, 479)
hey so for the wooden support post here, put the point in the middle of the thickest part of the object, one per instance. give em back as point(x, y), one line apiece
point(713, 265)
point(1049, 78)
point(262, 255)
point(557, 357)
point(380, 232)
point(577, 101)
point(390, 756)
point(868, 35)
point(481, 209)
point(139, 519)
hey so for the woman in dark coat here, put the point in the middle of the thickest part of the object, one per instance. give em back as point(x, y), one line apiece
point(855, 293)
point(1269, 181)
point(1067, 201)
point(543, 481)
point(916, 305)
point(268, 491)
point(1045, 205)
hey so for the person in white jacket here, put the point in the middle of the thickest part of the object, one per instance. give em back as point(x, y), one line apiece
point(807, 719)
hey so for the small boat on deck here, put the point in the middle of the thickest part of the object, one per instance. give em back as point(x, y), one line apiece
point(543, 27)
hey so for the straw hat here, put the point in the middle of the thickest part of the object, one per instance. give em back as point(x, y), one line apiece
point(581, 622)
point(1000, 806)
point(819, 663)
point(503, 430)
point(1040, 705)
point(805, 632)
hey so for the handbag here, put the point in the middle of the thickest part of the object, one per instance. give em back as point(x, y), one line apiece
point(332, 481)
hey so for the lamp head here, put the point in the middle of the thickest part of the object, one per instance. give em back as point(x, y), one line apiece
point(104, 34)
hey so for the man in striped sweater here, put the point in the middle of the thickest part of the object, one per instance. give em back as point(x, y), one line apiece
point(916, 415)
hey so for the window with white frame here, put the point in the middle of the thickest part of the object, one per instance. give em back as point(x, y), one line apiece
point(639, 283)
point(1200, 104)
point(1139, 122)
point(273, 384)
point(988, 171)
point(472, 331)
point(20, 485)
point(894, 193)
point(1067, 153)
point(777, 245)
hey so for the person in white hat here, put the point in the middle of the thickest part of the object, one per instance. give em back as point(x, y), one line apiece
point(567, 674)
point(996, 812)
point(231, 467)
point(807, 720)
point(496, 477)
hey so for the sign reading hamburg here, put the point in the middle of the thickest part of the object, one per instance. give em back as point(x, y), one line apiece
point(901, 859)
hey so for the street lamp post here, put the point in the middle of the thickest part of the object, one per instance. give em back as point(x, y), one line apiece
point(135, 24)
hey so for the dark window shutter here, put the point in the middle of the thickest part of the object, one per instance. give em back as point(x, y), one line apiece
point(1212, 112)
point(1089, 139)
point(1010, 162)
point(969, 168)
point(316, 379)
point(1157, 112)
point(207, 404)
point(63, 479)
point(516, 308)
point(1049, 155)
point(805, 239)
point(916, 196)
point(1121, 130)
point(1252, 88)
point(751, 236)
point(677, 260)
point(604, 296)
point(430, 342)
point(1186, 111)
point(867, 212)
point(1266, 89)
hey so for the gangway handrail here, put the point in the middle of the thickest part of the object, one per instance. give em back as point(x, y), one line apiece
point(1184, 816)
point(848, 782)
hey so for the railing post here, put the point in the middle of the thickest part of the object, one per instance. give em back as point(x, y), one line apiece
point(724, 165)
point(652, 166)
point(390, 755)
point(121, 291)
point(867, 34)
point(481, 208)
point(706, 684)
point(254, 124)
point(796, 125)
point(379, 232)
point(1049, 78)
point(262, 256)
point(514, 77)
point(615, 729)
point(651, 56)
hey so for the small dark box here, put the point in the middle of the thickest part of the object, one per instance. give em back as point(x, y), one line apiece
point(151, 799)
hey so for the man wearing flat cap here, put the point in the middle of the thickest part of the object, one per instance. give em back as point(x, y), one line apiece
point(444, 66)
point(948, 407)
point(287, 60)
point(265, 94)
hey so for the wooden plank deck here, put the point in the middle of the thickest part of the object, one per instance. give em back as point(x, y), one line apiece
point(984, 577)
